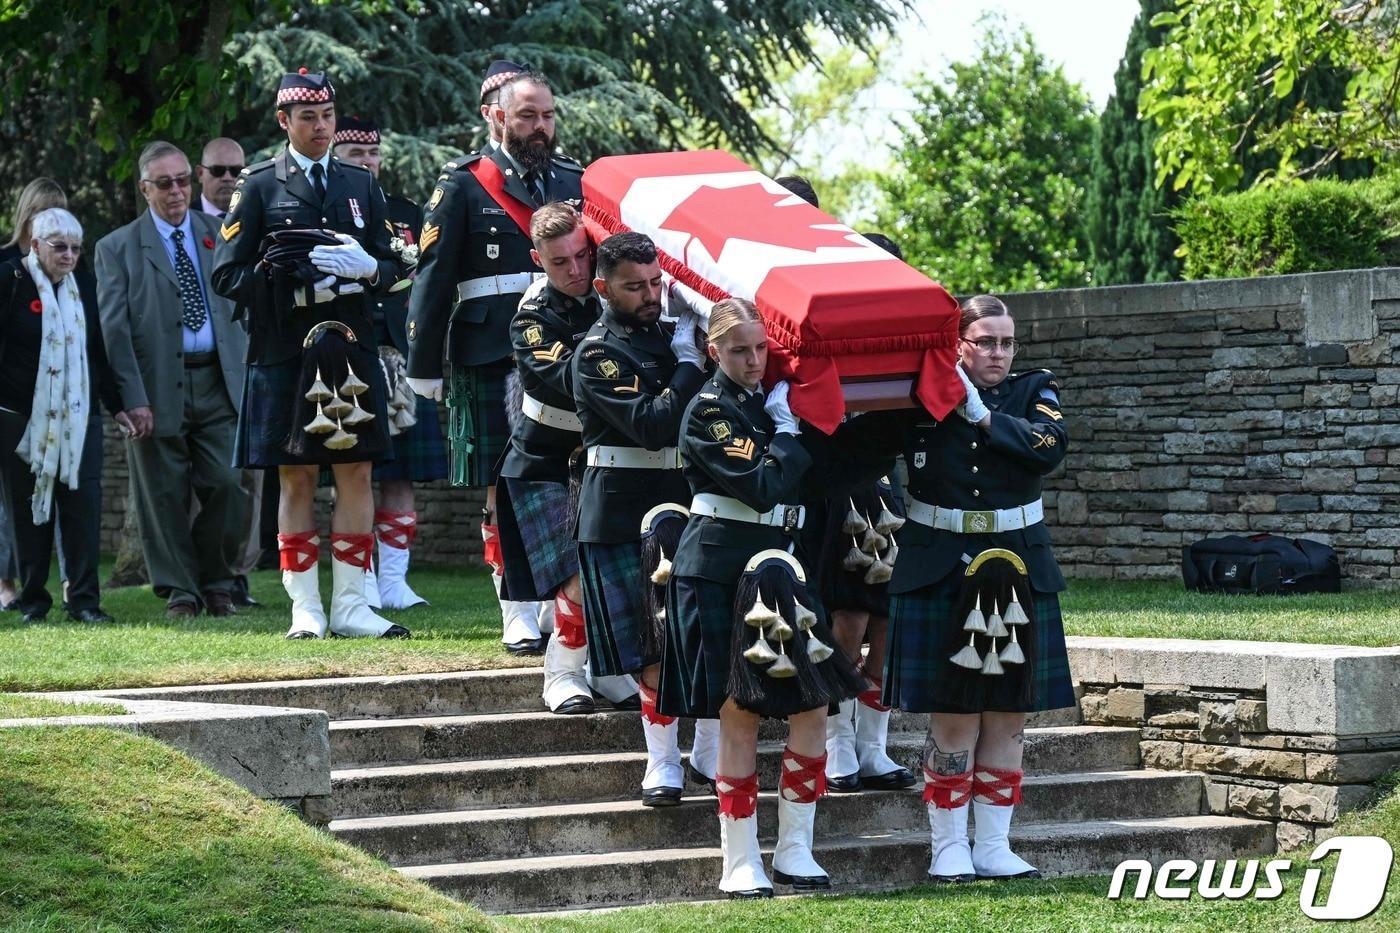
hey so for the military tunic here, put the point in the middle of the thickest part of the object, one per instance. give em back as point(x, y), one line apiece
point(470, 240)
point(420, 456)
point(276, 194)
point(958, 465)
point(533, 510)
point(630, 392)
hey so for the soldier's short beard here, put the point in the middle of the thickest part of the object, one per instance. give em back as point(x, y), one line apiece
point(533, 152)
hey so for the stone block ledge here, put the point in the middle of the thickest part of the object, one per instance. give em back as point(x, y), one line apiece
point(1336, 690)
point(277, 753)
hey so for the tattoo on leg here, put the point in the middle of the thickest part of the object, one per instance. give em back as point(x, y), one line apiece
point(941, 762)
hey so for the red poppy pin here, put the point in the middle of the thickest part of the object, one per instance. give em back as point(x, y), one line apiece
point(208, 242)
point(36, 306)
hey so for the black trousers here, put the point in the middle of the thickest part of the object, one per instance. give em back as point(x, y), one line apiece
point(78, 513)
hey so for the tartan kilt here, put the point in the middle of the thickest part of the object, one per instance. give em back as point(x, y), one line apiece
point(534, 522)
point(478, 430)
point(268, 412)
point(697, 653)
point(923, 636)
point(420, 455)
point(613, 609)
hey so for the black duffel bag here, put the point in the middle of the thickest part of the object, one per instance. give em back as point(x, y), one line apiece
point(1260, 564)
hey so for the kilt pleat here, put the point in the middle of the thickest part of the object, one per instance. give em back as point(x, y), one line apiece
point(923, 635)
point(613, 608)
point(420, 454)
point(478, 430)
point(533, 518)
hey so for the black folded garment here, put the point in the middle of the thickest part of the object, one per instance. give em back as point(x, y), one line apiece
point(286, 260)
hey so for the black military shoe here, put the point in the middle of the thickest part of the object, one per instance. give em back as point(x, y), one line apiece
point(300, 635)
point(90, 615)
point(576, 706)
point(528, 647)
point(751, 895)
point(695, 777)
point(396, 631)
point(898, 779)
point(844, 784)
point(35, 615)
point(661, 797)
point(802, 882)
point(242, 598)
point(632, 704)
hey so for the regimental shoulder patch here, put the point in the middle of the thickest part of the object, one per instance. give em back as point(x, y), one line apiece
point(430, 236)
point(721, 431)
point(553, 355)
point(534, 335)
point(437, 196)
point(741, 448)
point(709, 411)
point(608, 369)
point(229, 231)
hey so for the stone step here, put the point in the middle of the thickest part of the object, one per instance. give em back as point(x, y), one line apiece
point(463, 693)
point(502, 735)
point(615, 826)
point(855, 862)
point(582, 776)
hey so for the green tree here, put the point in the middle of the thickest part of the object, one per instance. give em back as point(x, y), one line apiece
point(1128, 216)
point(996, 163)
point(1272, 90)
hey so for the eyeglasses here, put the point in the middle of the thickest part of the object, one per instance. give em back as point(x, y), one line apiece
point(165, 182)
point(58, 246)
point(219, 171)
point(986, 345)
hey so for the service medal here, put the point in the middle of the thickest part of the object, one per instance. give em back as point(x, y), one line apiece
point(355, 213)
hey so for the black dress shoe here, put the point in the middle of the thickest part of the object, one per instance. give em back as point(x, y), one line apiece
point(751, 894)
point(89, 615)
point(576, 706)
point(300, 635)
point(396, 631)
point(898, 779)
point(952, 879)
point(844, 784)
point(661, 797)
point(528, 647)
point(802, 882)
point(695, 777)
point(241, 597)
point(632, 704)
point(35, 615)
point(1033, 873)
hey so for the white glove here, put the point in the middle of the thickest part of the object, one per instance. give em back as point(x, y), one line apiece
point(683, 340)
point(327, 290)
point(784, 421)
point(349, 260)
point(428, 388)
point(973, 409)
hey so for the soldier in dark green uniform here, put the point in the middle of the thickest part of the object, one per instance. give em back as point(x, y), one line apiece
point(632, 378)
point(474, 265)
point(976, 637)
point(305, 189)
point(419, 453)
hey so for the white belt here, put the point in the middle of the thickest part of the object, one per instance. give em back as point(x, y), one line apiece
point(487, 285)
point(967, 522)
point(634, 458)
point(549, 416)
point(786, 517)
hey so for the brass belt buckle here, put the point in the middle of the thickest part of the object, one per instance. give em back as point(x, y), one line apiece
point(978, 523)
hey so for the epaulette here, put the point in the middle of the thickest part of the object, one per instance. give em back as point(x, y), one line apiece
point(345, 164)
point(461, 162)
point(709, 396)
point(1030, 372)
point(564, 162)
point(257, 167)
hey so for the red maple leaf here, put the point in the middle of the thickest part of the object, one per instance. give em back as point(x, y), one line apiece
point(716, 215)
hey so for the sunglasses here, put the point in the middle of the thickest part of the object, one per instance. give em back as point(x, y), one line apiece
point(219, 171)
point(166, 182)
point(58, 246)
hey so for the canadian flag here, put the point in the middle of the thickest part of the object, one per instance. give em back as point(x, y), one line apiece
point(852, 326)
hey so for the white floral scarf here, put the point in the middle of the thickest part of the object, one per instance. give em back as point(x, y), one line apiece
point(53, 443)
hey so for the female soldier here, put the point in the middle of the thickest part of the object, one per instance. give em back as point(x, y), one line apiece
point(976, 638)
point(743, 459)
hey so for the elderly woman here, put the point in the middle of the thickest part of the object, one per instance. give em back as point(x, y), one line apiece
point(39, 195)
point(52, 371)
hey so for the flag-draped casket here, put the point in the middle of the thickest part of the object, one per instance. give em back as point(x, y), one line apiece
point(853, 327)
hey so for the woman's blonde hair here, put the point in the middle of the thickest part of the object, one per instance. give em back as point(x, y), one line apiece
point(38, 196)
point(729, 313)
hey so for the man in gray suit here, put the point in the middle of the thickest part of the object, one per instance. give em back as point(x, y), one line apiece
point(178, 358)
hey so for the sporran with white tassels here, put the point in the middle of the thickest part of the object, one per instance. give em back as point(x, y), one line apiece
point(993, 645)
point(661, 533)
point(783, 658)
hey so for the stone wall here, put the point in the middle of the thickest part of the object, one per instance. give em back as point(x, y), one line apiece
point(1194, 408)
point(1199, 408)
point(1294, 734)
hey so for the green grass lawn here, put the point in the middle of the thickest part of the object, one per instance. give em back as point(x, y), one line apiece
point(100, 830)
point(461, 631)
point(18, 707)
